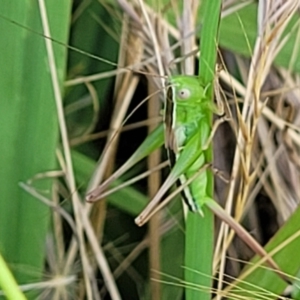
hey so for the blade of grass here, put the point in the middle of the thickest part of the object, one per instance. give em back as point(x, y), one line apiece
point(8, 283)
point(200, 231)
point(285, 244)
point(29, 130)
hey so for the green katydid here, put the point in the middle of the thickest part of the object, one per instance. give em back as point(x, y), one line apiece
point(187, 134)
point(187, 129)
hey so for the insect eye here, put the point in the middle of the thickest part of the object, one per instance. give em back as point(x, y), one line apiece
point(184, 93)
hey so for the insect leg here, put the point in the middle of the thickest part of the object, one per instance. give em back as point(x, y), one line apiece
point(213, 131)
point(153, 208)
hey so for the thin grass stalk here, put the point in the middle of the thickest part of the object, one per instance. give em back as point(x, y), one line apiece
point(200, 231)
point(154, 182)
point(65, 142)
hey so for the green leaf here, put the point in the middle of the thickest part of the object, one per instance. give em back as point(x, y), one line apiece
point(200, 231)
point(29, 131)
point(263, 279)
point(8, 283)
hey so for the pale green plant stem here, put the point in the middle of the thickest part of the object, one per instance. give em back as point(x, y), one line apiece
point(8, 283)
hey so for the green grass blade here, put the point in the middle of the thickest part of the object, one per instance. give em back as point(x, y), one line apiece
point(208, 43)
point(199, 254)
point(29, 131)
point(287, 240)
point(200, 231)
point(8, 283)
